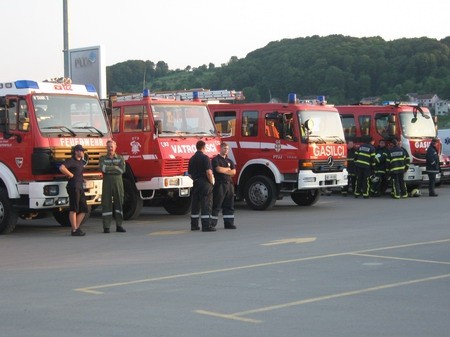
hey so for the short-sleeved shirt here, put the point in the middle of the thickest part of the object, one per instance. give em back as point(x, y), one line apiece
point(76, 167)
point(222, 162)
point(198, 165)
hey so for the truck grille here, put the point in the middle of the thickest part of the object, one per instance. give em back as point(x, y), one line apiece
point(322, 166)
point(175, 167)
point(94, 154)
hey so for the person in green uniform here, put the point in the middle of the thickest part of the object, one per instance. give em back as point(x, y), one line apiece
point(113, 166)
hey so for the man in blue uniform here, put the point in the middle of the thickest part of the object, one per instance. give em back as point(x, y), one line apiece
point(200, 171)
point(380, 185)
point(73, 169)
point(364, 163)
point(433, 167)
point(398, 161)
point(223, 192)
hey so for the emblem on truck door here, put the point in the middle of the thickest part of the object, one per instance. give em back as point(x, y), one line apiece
point(19, 162)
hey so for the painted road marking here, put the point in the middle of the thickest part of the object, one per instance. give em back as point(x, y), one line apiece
point(237, 315)
point(285, 241)
point(168, 232)
point(94, 289)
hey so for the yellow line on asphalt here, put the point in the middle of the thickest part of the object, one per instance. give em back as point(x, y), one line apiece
point(233, 317)
point(402, 246)
point(94, 289)
point(400, 258)
point(169, 232)
point(321, 298)
point(290, 240)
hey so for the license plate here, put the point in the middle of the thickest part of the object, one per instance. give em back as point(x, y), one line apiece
point(88, 184)
point(446, 173)
point(330, 176)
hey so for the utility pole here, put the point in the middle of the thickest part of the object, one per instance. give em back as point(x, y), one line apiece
point(66, 39)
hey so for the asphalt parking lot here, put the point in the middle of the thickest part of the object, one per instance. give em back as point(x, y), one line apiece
point(344, 267)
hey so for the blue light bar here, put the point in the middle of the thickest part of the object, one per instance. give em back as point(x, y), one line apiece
point(90, 88)
point(292, 98)
point(26, 84)
point(321, 99)
point(195, 95)
point(146, 92)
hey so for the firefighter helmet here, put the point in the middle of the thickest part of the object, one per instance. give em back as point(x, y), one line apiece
point(415, 192)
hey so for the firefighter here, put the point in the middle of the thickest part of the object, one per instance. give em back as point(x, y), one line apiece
point(364, 164)
point(223, 192)
point(380, 185)
point(351, 150)
point(398, 164)
point(433, 166)
point(201, 173)
point(113, 166)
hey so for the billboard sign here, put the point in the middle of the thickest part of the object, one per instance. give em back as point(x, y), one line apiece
point(87, 66)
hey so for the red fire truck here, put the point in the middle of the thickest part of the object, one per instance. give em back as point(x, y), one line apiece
point(157, 134)
point(412, 125)
point(40, 122)
point(294, 148)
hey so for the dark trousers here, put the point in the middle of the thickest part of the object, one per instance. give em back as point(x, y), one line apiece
point(201, 203)
point(431, 183)
point(379, 187)
point(362, 185)
point(223, 198)
point(112, 200)
point(398, 185)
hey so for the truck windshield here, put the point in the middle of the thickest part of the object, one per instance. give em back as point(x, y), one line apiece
point(417, 126)
point(69, 114)
point(181, 120)
point(326, 125)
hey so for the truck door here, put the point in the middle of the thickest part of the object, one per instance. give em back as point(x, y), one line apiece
point(250, 146)
point(280, 138)
point(16, 140)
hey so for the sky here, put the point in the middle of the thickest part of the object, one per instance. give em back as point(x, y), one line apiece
point(193, 33)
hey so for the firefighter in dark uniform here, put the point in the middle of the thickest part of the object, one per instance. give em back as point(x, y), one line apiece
point(200, 171)
point(223, 191)
point(113, 166)
point(364, 163)
point(351, 150)
point(380, 185)
point(398, 164)
point(433, 166)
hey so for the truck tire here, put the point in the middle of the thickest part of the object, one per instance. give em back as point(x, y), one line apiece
point(8, 218)
point(62, 217)
point(132, 203)
point(260, 193)
point(177, 205)
point(305, 198)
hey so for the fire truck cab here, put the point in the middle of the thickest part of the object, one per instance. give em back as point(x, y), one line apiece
point(157, 135)
point(412, 125)
point(294, 148)
point(40, 123)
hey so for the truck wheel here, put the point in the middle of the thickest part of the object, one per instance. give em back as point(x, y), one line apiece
point(177, 205)
point(305, 198)
point(132, 203)
point(8, 218)
point(62, 217)
point(260, 193)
